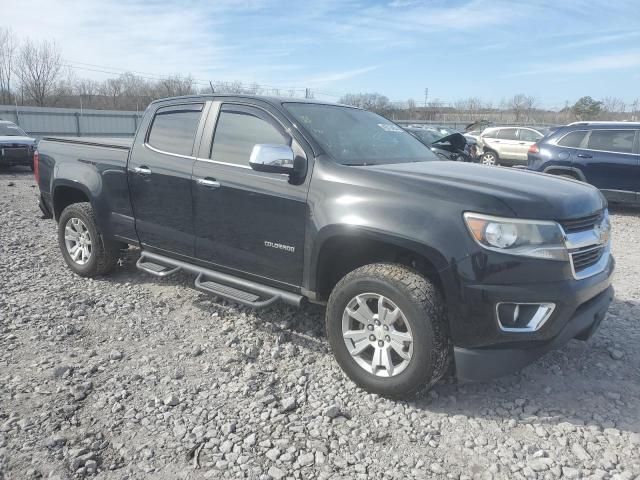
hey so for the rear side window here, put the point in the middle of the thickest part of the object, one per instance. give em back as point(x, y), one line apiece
point(620, 141)
point(573, 139)
point(174, 128)
point(238, 131)
point(508, 134)
point(529, 135)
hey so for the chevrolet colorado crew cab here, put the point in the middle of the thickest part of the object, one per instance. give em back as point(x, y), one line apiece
point(423, 264)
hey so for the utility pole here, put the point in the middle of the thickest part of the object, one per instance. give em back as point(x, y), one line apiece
point(211, 85)
point(426, 96)
point(307, 93)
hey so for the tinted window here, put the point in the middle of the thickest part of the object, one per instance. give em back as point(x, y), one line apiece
point(529, 135)
point(612, 140)
point(174, 129)
point(236, 134)
point(356, 137)
point(573, 139)
point(508, 134)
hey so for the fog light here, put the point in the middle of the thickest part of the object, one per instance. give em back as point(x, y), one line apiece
point(523, 317)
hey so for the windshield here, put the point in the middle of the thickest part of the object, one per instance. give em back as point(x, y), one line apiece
point(427, 136)
point(357, 137)
point(10, 130)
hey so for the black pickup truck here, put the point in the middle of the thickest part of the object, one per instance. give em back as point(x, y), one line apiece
point(423, 264)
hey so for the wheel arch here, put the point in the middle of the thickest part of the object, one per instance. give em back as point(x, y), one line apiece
point(66, 193)
point(560, 170)
point(342, 249)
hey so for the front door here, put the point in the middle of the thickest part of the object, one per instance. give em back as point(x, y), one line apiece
point(247, 221)
point(160, 180)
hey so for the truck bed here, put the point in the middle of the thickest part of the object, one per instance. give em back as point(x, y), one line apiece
point(98, 166)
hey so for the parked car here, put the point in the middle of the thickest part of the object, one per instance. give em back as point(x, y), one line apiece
point(508, 145)
point(420, 262)
point(16, 147)
point(450, 147)
point(604, 154)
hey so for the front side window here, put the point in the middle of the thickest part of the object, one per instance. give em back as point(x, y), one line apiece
point(620, 141)
point(573, 139)
point(529, 135)
point(357, 137)
point(508, 134)
point(238, 131)
point(174, 128)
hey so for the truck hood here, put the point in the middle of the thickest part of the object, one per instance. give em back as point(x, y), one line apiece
point(10, 140)
point(528, 194)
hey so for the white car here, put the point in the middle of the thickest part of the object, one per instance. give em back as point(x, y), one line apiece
point(508, 145)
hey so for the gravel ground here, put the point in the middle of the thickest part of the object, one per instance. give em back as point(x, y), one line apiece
point(131, 377)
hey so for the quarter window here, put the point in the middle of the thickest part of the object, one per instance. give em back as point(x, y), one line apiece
point(529, 135)
point(508, 134)
point(573, 139)
point(620, 141)
point(236, 134)
point(174, 128)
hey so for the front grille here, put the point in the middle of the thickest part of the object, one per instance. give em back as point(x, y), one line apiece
point(581, 224)
point(583, 258)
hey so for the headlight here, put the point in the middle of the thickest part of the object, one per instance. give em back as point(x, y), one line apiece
point(527, 238)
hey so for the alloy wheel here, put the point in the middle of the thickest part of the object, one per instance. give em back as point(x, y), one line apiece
point(377, 335)
point(77, 239)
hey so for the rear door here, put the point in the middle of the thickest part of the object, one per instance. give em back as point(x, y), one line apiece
point(526, 138)
point(159, 175)
point(610, 162)
point(250, 222)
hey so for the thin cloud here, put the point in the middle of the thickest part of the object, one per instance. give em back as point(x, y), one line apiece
point(601, 39)
point(328, 78)
point(599, 63)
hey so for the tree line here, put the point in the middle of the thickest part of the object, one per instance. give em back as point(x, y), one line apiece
point(520, 108)
point(34, 73)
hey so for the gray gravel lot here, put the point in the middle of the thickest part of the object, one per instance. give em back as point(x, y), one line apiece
point(128, 376)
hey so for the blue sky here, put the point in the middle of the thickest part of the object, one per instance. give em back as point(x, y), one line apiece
point(555, 50)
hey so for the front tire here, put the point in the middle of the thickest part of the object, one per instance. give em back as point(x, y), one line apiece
point(83, 246)
point(489, 158)
point(387, 328)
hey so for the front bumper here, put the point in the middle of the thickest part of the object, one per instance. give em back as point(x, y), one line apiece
point(477, 364)
point(10, 156)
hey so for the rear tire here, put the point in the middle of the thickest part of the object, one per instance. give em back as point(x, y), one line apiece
point(399, 293)
point(83, 247)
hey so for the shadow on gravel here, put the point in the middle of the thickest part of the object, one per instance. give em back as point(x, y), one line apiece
point(580, 384)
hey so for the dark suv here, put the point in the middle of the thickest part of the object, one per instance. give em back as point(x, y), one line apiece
point(604, 154)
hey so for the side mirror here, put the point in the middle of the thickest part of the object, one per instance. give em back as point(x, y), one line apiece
point(272, 158)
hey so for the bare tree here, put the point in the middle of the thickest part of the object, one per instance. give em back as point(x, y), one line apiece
point(38, 67)
point(613, 106)
point(522, 106)
point(8, 47)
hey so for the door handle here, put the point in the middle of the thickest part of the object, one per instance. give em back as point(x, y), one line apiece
point(208, 182)
point(142, 170)
point(523, 143)
point(584, 155)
